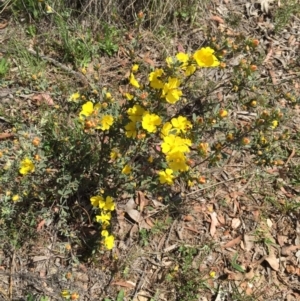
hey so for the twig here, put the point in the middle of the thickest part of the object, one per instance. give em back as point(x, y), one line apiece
point(3, 294)
point(216, 184)
point(61, 66)
point(10, 275)
point(290, 157)
point(139, 285)
point(76, 75)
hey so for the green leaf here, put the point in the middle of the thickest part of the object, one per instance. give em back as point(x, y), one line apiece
point(235, 265)
point(120, 296)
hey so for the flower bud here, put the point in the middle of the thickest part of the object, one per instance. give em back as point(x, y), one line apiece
point(223, 113)
point(202, 180)
point(141, 15)
point(222, 65)
point(36, 141)
point(245, 141)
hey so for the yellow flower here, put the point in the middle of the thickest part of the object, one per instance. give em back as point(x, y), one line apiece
point(114, 154)
point(135, 68)
point(133, 81)
point(129, 96)
point(150, 159)
point(109, 204)
point(109, 242)
point(131, 129)
point(74, 97)
point(135, 113)
point(126, 170)
point(177, 161)
point(189, 70)
point(108, 95)
point(49, 9)
point(96, 200)
point(26, 166)
point(104, 218)
point(166, 129)
point(181, 124)
point(182, 57)
point(104, 233)
point(154, 79)
point(205, 58)
point(190, 183)
point(106, 122)
point(212, 274)
point(203, 148)
point(274, 124)
point(150, 122)
point(170, 91)
point(166, 177)
point(170, 61)
point(174, 144)
point(86, 110)
point(65, 294)
point(15, 197)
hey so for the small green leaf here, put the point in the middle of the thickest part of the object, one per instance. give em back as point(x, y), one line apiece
point(120, 296)
point(235, 265)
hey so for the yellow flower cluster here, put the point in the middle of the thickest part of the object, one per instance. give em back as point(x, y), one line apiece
point(106, 206)
point(91, 118)
point(138, 114)
point(173, 133)
point(170, 86)
point(26, 166)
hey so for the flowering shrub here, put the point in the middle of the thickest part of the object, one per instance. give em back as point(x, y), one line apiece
point(151, 135)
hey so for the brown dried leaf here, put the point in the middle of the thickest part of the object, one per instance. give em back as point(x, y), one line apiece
point(221, 219)
point(235, 223)
point(43, 98)
point(6, 135)
point(3, 24)
point(233, 242)
point(142, 296)
point(130, 205)
point(273, 261)
point(256, 214)
point(141, 200)
point(124, 284)
point(188, 218)
point(149, 61)
point(269, 223)
point(214, 223)
point(282, 239)
point(248, 242)
point(245, 286)
point(133, 213)
point(157, 203)
point(287, 250)
point(269, 54)
point(149, 222)
point(249, 275)
point(236, 276)
point(40, 225)
point(180, 48)
point(217, 19)
point(134, 230)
